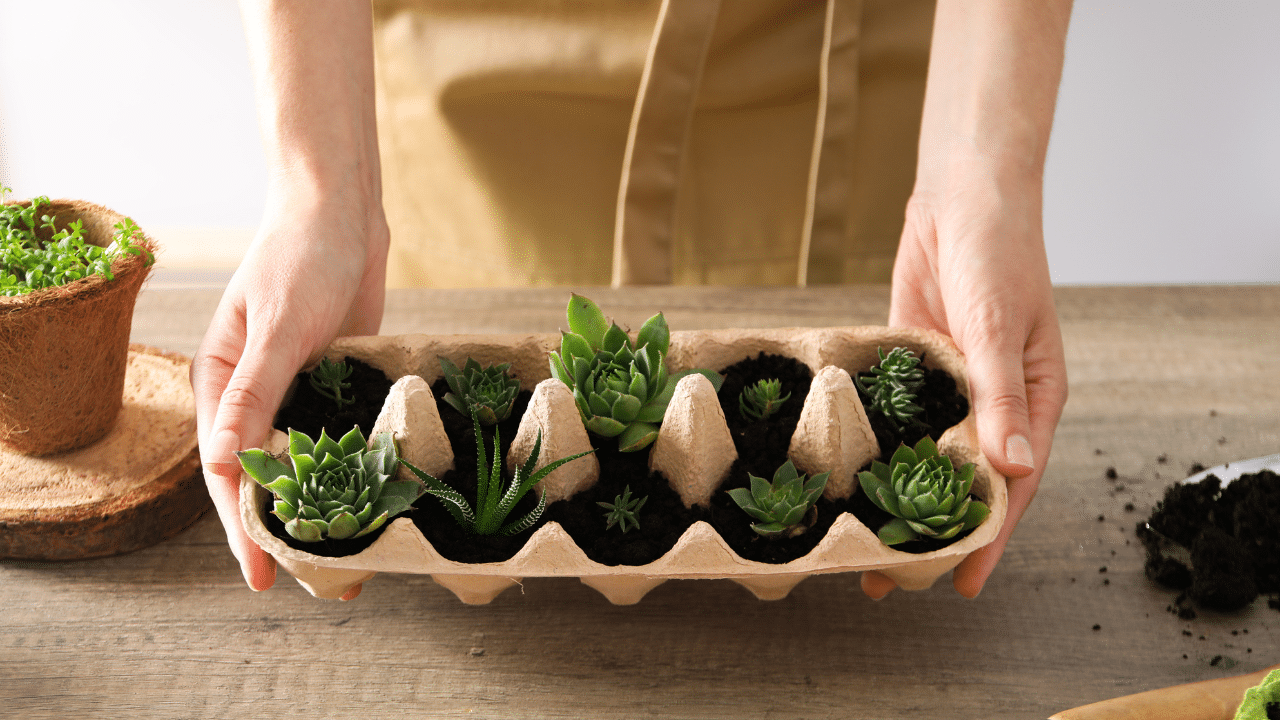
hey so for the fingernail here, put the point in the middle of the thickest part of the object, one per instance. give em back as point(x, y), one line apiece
point(1018, 451)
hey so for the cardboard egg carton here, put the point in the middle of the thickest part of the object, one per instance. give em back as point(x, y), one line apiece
point(693, 451)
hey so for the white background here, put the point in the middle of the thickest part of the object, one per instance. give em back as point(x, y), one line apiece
point(1164, 165)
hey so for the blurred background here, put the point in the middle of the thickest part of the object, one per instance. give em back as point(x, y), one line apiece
point(1164, 165)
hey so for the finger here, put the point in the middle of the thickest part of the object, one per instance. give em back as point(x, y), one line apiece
point(994, 359)
point(972, 573)
point(353, 593)
point(877, 585)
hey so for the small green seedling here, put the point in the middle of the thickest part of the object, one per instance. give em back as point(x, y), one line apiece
point(759, 401)
point(329, 379)
point(926, 495)
point(485, 393)
point(785, 507)
point(893, 385)
point(623, 510)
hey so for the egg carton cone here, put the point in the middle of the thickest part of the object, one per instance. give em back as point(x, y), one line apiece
point(693, 451)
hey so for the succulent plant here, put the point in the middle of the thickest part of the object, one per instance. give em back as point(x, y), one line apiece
point(493, 501)
point(784, 507)
point(759, 401)
point(333, 489)
point(329, 379)
point(893, 385)
point(623, 510)
point(484, 393)
point(622, 390)
point(925, 494)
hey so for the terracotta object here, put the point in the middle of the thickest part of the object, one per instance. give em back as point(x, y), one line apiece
point(696, 427)
point(63, 349)
point(140, 484)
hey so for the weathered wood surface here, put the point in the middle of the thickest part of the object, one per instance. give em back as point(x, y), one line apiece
point(1191, 374)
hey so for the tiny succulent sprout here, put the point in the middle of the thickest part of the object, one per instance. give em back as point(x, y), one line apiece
point(759, 401)
point(494, 502)
point(333, 489)
point(623, 510)
point(329, 379)
point(892, 386)
point(622, 389)
point(484, 393)
point(926, 496)
point(784, 507)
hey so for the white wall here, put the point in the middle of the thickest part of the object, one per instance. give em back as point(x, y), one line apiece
point(1164, 166)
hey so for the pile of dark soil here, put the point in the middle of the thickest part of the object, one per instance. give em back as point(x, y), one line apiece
point(308, 411)
point(1219, 544)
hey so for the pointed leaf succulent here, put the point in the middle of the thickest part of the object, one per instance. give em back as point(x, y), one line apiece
point(759, 401)
point(494, 501)
point(333, 489)
point(784, 507)
point(926, 495)
point(892, 386)
point(621, 388)
point(329, 379)
point(484, 393)
point(623, 510)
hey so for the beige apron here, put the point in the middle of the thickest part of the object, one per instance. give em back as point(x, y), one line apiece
point(583, 142)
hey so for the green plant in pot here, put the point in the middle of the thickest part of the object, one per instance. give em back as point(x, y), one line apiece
point(485, 393)
point(926, 495)
point(892, 387)
point(70, 272)
point(622, 388)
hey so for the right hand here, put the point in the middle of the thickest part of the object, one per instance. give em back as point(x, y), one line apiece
point(315, 271)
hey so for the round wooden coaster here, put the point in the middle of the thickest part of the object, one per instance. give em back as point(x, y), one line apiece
point(138, 485)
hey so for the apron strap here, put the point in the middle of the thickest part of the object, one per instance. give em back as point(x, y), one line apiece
point(831, 164)
point(656, 141)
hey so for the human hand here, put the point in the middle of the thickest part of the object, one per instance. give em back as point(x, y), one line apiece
point(972, 265)
point(314, 272)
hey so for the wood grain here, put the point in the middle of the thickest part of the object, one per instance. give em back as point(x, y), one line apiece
point(1190, 374)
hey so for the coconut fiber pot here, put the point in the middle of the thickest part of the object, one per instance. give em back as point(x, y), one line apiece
point(63, 350)
point(694, 451)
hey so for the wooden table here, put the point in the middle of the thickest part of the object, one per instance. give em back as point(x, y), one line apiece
point(1160, 378)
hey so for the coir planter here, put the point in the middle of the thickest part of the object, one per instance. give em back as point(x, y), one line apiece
point(694, 452)
point(63, 350)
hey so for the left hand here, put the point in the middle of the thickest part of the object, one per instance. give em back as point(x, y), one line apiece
point(972, 265)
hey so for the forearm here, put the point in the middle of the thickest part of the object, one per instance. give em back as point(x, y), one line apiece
point(993, 83)
point(313, 75)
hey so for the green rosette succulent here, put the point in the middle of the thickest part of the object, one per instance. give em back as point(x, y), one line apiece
point(333, 489)
point(623, 510)
point(892, 386)
point(784, 505)
point(483, 393)
point(926, 495)
point(622, 389)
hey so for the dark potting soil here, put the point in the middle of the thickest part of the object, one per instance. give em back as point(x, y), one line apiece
point(762, 444)
point(663, 519)
point(430, 515)
point(1273, 711)
point(942, 407)
point(1220, 544)
point(308, 411)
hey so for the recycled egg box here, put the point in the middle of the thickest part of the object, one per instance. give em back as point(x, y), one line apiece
point(693, 451)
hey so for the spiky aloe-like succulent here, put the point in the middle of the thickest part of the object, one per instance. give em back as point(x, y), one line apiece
point(893, 385)
point(623, 510)
point(622, 390)
point(925, 494)
point(484, 393)
point(784, 507)
point(333, 489)
point(759, 401)
point(493, 501)
point(329, 379)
